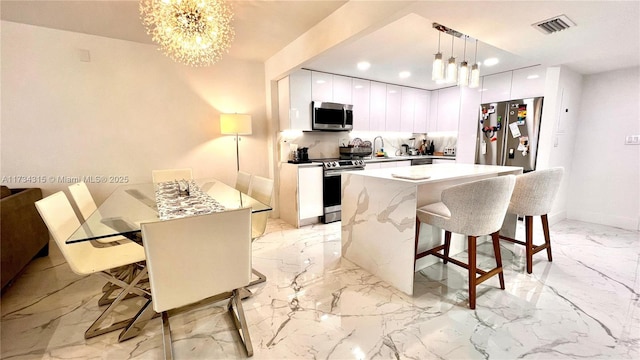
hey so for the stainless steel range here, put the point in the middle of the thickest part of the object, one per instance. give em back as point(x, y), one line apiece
point(332, 185)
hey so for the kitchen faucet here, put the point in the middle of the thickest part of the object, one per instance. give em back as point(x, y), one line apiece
point(374, 144)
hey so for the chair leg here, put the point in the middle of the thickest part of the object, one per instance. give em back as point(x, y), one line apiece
point(237, 314)
point(447, 246)
point(529, 242)
point(94, 329)
point(166, 336)
point(547, 238)
point(495, 237)
point(472, 272)
point(261, 277)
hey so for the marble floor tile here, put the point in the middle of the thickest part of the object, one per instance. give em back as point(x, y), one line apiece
point(316, 305)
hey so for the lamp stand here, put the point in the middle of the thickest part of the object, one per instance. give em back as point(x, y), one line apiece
point(237, 152)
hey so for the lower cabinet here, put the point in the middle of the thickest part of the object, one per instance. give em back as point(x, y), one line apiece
point(300, 194)
point(444, 161)
point(388, 164)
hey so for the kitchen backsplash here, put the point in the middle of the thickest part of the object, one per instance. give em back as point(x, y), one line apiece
point(325, 144)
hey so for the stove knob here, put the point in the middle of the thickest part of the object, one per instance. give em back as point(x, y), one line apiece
point(360, 162)
point(335, 164)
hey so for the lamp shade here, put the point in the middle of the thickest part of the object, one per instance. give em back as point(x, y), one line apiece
point(236, 124)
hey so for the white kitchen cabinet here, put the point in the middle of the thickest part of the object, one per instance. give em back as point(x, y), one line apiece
point(310, 192)
point(294, 97)
point(443, 161)
point(496, 87)
point(448, 109)
point(394, 108)
point(342, 89)
point(407, 109)
point(433, 111)
point(360, 95)
point(388, 164)
point(421, 112)
point(377, 106)
point(321, 86)
point(300, 194)
point(528, 82)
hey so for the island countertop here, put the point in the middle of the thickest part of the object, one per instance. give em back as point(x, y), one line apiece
point(422, 174)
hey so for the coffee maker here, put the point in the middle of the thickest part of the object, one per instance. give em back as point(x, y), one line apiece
point(300, 155)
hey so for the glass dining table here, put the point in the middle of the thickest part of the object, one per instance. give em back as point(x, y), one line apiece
point(129, 206)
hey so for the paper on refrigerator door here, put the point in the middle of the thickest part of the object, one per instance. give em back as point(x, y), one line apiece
point(515, 132)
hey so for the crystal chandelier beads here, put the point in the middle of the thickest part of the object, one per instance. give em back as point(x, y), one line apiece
point(193, 32)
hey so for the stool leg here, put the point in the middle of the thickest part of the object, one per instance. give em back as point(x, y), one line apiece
point(547, 238)
point(495, 237)
point(447, 245)
point(529, 242)
point(472, 272)
point(417, 238)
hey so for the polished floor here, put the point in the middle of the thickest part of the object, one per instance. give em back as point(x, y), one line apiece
point(315, 305)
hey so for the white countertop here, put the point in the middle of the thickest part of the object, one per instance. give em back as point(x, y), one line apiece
point(382, 159)
point(437, 172)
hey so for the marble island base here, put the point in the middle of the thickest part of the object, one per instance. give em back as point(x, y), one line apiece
point(379, 216)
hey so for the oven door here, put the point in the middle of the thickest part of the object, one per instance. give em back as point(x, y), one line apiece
point(332, 195)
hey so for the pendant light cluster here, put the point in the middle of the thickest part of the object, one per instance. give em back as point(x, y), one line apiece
point(453, 73)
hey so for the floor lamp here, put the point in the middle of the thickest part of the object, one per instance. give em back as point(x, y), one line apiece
point(235, 124)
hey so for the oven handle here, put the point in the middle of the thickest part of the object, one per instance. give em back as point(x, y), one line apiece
point(330, 173)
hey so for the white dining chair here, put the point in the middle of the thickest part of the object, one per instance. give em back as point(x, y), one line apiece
point(243, 181)
point(83, 199)
point(87, 206)
point(261, 189)
point(473, 209)
point(533, 195)
point(85, 258)
point(171, 175)
point(195, 258)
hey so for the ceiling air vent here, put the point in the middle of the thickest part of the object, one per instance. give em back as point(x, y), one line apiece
point(554, 24)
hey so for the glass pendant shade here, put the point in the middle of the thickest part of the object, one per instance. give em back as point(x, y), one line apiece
point(452, 70)
point(438, 68)
point(474, 82)
point(463, 74)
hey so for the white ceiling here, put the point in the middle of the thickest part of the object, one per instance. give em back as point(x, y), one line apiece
point(607, 35)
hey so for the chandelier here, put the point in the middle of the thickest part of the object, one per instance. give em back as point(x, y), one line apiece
point(193, 32)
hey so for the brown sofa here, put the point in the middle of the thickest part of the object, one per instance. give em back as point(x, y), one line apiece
point(23, 233)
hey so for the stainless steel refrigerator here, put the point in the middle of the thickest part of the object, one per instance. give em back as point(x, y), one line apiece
point(508, 133)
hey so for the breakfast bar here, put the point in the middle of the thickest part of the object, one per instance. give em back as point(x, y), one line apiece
point(379, 216)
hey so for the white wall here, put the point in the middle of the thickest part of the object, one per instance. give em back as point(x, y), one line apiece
point(605, 180)
point(127, 111)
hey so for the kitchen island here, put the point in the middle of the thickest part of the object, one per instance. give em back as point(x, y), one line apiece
point(379, 216)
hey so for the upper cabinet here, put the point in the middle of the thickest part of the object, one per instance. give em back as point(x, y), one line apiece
point(517, 84)
point(496, 87)
point(421, 111)
point(377, 106)
point(360, 96)
point(394, 108)
point(321, 86)
point(448, 109)
point(342, 89)
point(528, 82)
point(294, 101)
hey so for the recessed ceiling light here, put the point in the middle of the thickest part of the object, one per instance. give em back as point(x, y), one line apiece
point(358, 86)
point(534, 76)
point(363, 65)
point(320, 81)
point(404, 74)
point(392, 91)
point(491, 61)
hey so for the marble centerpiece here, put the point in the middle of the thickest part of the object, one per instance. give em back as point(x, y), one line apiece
point(379, 212)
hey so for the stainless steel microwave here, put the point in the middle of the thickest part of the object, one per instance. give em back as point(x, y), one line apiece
point(329, 116)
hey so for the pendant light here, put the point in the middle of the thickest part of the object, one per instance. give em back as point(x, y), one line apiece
point(463, 73)
point(438, 66)
point(452, 67)
point(475, 72)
